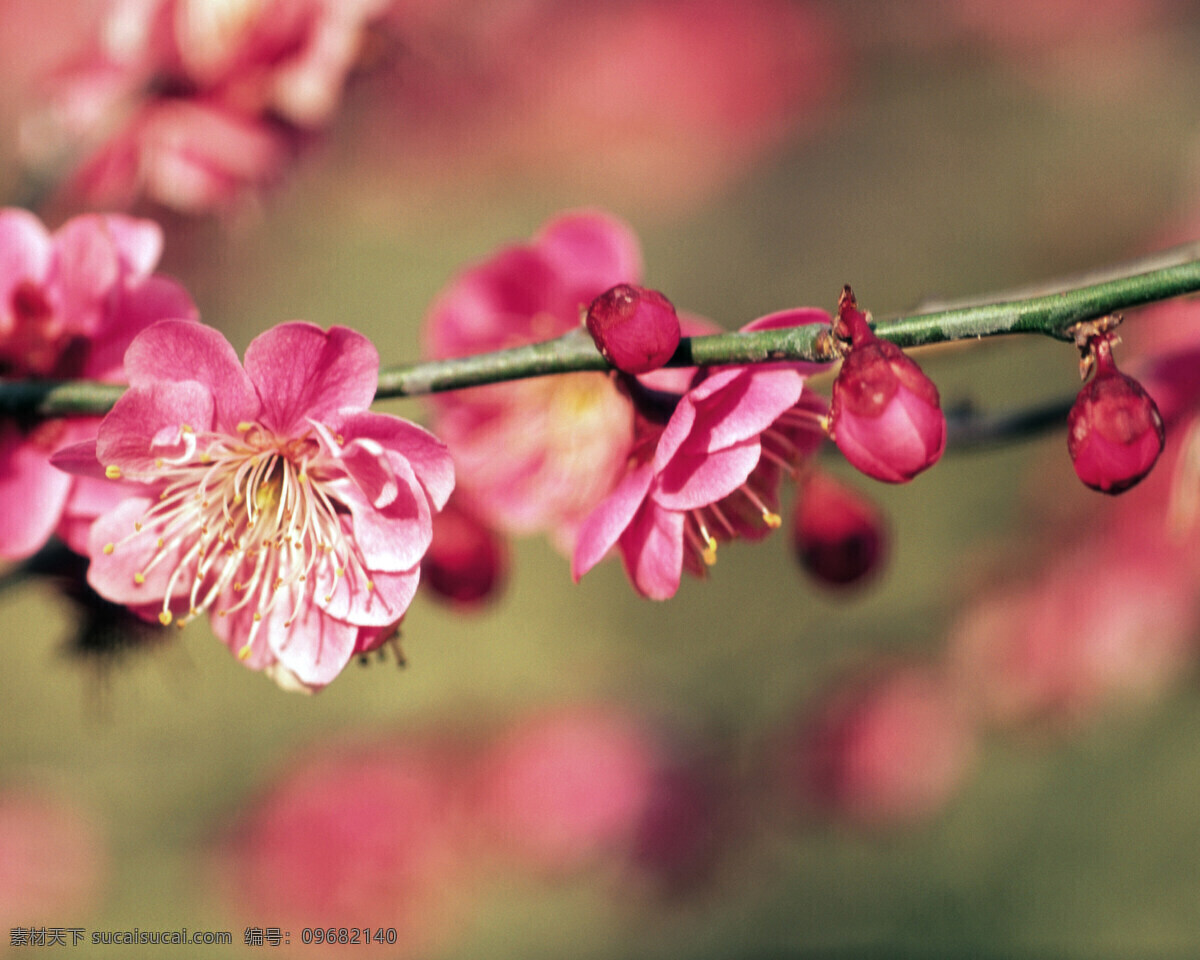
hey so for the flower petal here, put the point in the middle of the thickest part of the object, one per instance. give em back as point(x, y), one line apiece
point(302, 371)
point(112, 571)
point(176, 350)
point(129, 436)
point(86, 268)
point(652, 549)
point(605, 525)
point(694, 480)
point(740, 407)
point(33, 493)
point(380, 606)
point(592, 251)
point(425, 453)
point(315, 648)
point(394, 536)
point(25, 251)
point(156, 298)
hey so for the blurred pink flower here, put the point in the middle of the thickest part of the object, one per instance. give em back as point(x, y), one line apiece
point(887, 748)
point(536, 455)
point(660, 103)
point(52, 860)
point(702, 477)
point(1112, 621)
point(70, 304)
point(273, 497)
point(353, 837)
point(190, 102)
point(561, 789)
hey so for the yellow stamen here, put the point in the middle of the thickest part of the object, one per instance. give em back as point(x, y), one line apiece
point(165, 618)
point(772, 520)
point(244, 426)
point(139, 578)
point(113, 472)
point(109, 548)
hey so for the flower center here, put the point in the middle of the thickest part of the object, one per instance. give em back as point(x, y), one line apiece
point(248, 521)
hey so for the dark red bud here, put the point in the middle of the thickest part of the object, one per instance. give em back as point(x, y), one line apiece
point(839, 537)
point(636, 330)
point(1114, 431)
point(467, 561)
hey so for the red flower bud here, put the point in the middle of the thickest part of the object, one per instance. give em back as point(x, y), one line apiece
point(839, 536)
point(1114, 430)
point(885, 415)
point(636, 330)
point(466, 563)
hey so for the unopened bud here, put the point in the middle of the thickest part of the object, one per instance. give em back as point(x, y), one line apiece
point(839, 536)
point(466, 562)
point(1114, 430)
point(636, 330)
point(885, 415)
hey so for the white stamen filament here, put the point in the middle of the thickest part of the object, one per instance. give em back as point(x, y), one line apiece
point(251, 514)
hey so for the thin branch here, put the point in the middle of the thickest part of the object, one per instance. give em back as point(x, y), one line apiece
point(1047, 314)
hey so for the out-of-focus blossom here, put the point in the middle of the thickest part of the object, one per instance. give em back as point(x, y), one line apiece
point(702, 477)
point(536, 455)
point(270, 495)
point(52, 860)
point(839, 536)
point(564, 788)
point(1114, 430)
point(654, 102)
point(191, 102)
point(353, 837)
point(70, 304)
point(467, 561)
point(886, 749)
point(885, 415)
point(1112, 621)
point(636, 330)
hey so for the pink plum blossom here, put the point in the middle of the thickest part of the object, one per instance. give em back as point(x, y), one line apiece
point(52, 858)
point(539, 454)
point(270, 496)
point(70, 304)
point(711, 473)
point(566, 786)
point(885, 749)
point(191, 102)
point(1111, 621)
point(348, 832)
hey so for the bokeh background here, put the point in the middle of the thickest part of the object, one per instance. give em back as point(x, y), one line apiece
point(766, 153)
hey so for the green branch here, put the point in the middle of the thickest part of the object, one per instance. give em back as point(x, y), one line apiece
point(1049, 314)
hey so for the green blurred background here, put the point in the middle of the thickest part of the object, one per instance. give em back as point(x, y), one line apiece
point(943, 170)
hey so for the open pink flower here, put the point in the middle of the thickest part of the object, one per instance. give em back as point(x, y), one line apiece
point(70, 303)
point(273, 497)
point(539, 454)
point(703, 477)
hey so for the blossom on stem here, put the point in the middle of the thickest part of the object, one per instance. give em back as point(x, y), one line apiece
point(70, 304)
point(270, 496)
point(711, 473)
point(885, 415)
point(535, 455)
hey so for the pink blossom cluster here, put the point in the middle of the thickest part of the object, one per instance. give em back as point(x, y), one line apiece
point(268, 494)
point(658, 464)
point(190, 103)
